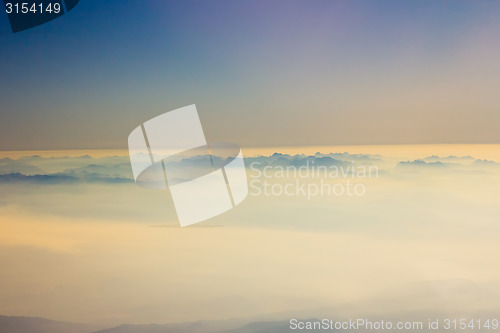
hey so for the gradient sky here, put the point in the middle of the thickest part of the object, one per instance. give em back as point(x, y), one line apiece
point(262, 73)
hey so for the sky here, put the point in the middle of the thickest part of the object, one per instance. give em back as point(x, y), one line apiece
point(265, 74)
point(262, 73)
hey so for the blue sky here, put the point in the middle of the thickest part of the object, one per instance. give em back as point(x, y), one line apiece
point(262, 73)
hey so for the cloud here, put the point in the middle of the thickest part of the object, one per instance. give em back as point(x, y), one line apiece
point(41, 325)
point(116, 169)
point(487, 163)
point(422, 163)
point(58, 164)
point(284, 160)
point(352, 157)
point(59, 170)
point(8, 165)
point(450, 158)
point(37, 179)
point(94, 171)
point(102, 229)
point(61, 179)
